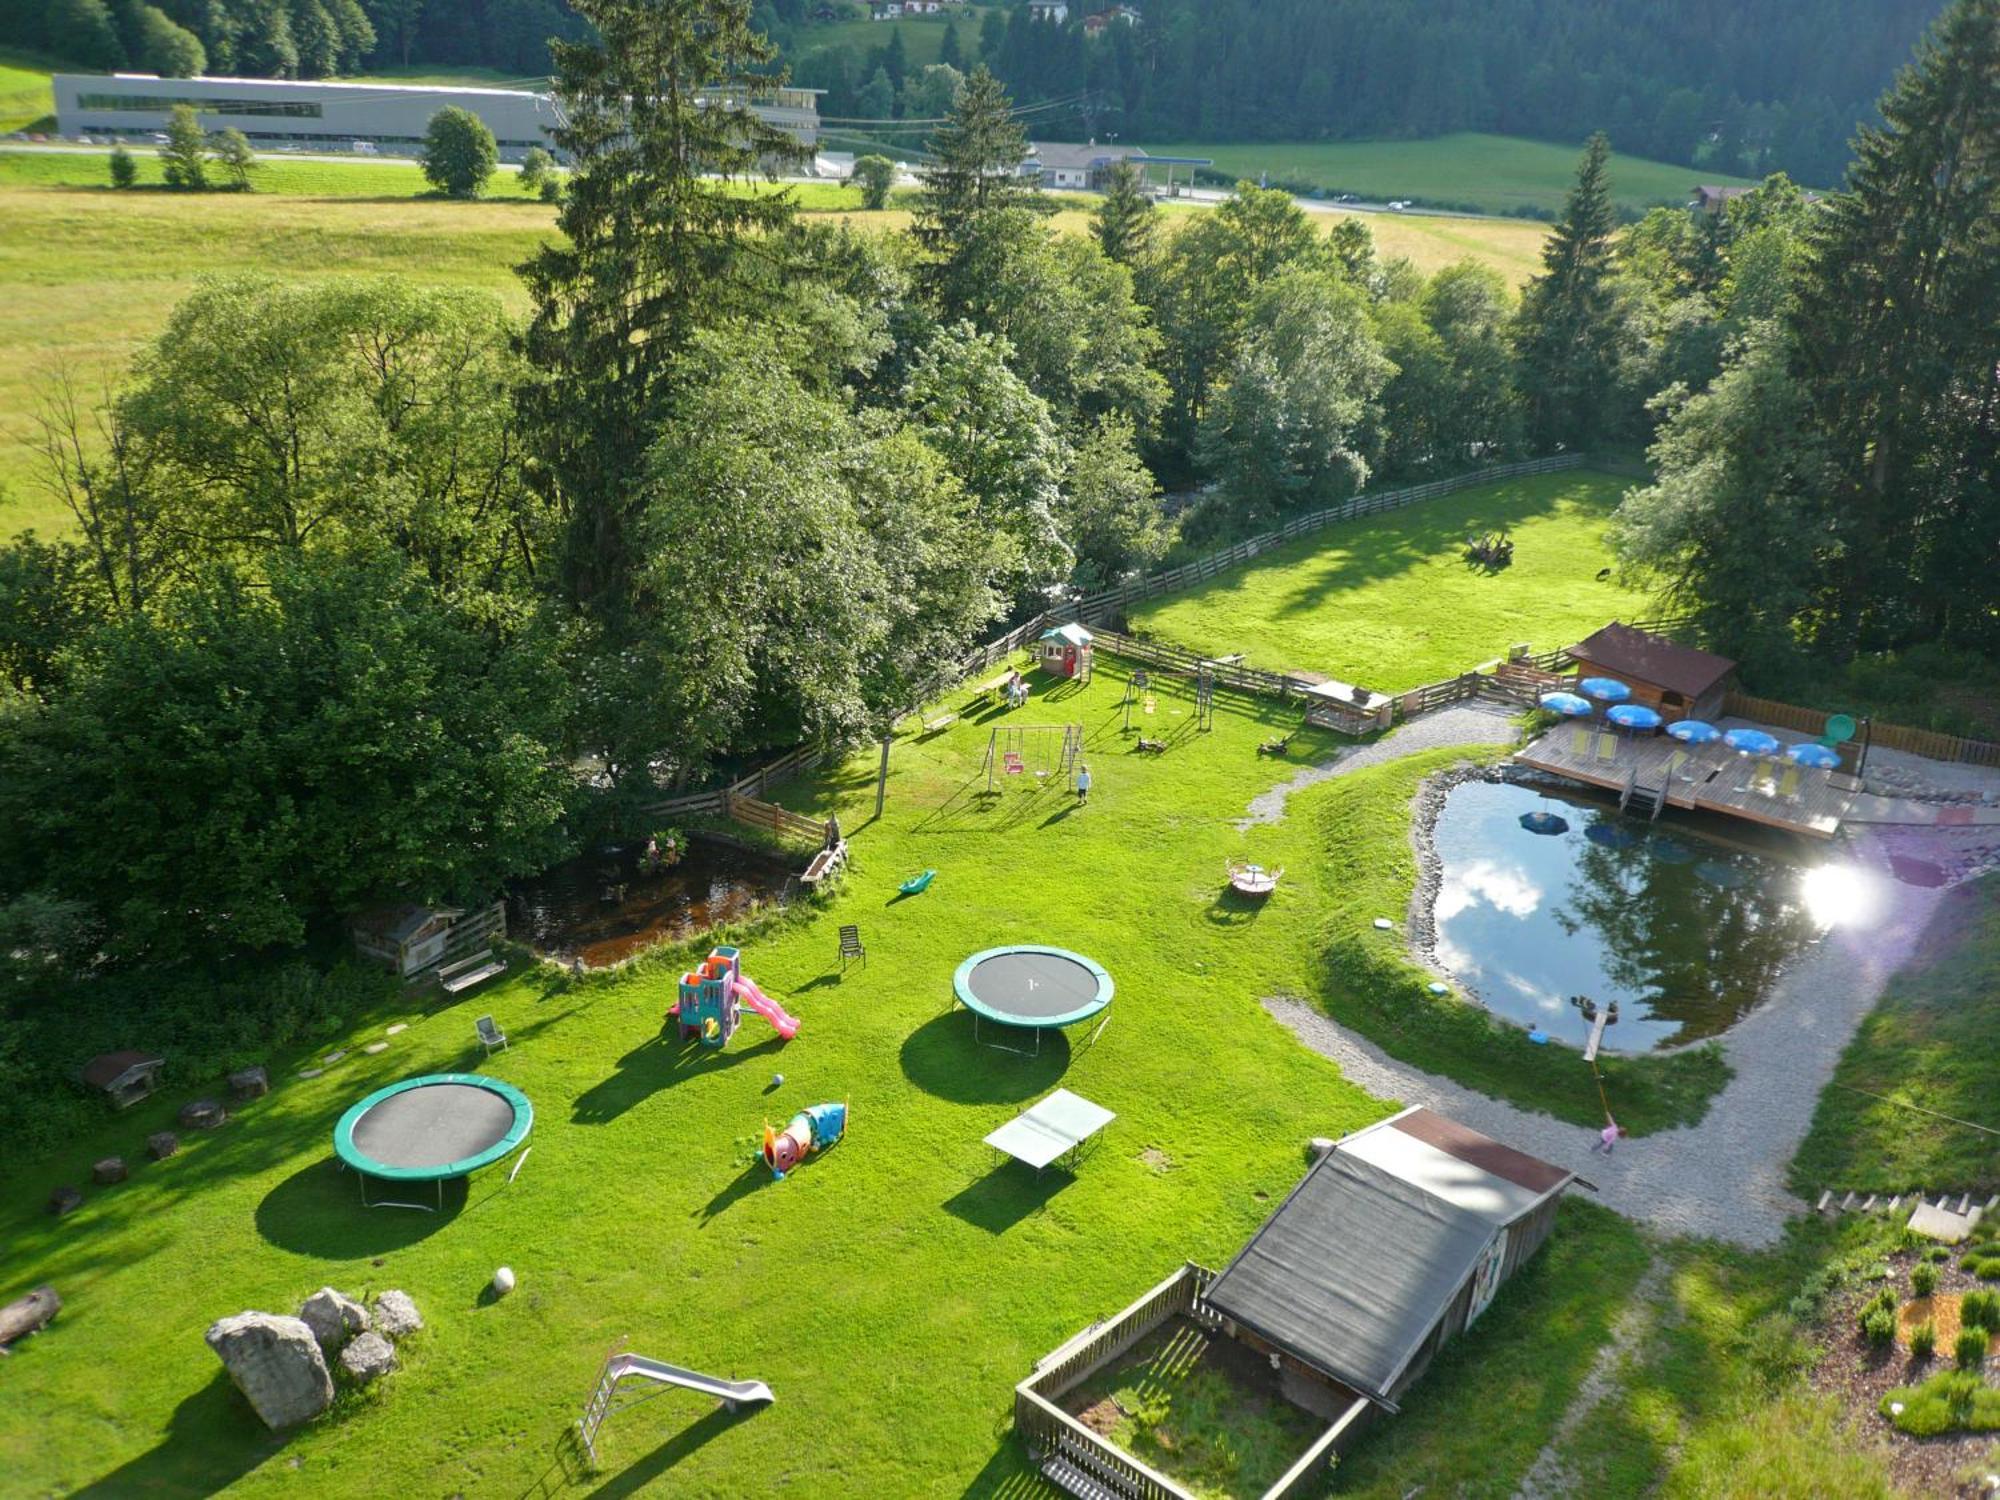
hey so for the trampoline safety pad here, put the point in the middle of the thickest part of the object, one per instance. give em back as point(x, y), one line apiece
point(1032, 986)
point(439, 1126)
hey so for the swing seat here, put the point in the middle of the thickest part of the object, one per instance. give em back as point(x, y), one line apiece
point(1013, 763)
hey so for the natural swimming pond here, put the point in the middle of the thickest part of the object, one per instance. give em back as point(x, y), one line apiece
point(1685, 923)
point(603, 906)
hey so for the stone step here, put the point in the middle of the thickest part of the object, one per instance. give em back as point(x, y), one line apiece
point(1825, 1198)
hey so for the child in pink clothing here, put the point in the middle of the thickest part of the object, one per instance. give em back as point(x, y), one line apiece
point(1608, 1137)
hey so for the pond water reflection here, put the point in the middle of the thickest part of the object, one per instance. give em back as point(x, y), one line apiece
point(1684, 922)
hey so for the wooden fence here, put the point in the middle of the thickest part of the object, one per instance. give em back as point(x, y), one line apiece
point(1049, 1431)
point(1925, 742)
point(772, 818)
point(1112, 602)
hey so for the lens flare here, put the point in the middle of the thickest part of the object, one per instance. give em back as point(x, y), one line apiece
point(1840, 895)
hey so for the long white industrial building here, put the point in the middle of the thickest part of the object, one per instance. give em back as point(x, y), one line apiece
point(281, 114)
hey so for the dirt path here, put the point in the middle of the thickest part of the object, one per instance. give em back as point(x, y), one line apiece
point(1473, 723)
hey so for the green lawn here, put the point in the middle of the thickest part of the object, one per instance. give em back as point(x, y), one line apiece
point(1392, 604)
point(922, 35)
point(891, 1292)
point(26, 97)
point(1933, 1041)
point(87, 274)
point(1494, 173)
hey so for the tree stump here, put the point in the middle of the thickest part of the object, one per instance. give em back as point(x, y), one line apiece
point(29, 1314)
point(250, 1083)
point(162, 1144)
point(64, 1200)
point(203, 1114)
point(111, 1169)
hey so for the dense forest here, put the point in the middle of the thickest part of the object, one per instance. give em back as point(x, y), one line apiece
point(1746, 88)
point(860, 451)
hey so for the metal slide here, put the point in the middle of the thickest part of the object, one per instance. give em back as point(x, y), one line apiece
point(730, 1393)
point(613, 1396)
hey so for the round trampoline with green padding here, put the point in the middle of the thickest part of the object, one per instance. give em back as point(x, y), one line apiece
point(1034, 988)
point(432, 1129)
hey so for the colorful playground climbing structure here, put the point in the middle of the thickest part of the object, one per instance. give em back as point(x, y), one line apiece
point(713, 997)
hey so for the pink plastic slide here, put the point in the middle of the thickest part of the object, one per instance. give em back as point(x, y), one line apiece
point(746, 990)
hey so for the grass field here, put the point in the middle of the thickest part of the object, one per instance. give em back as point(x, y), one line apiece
point(1932, 1042)
point(1393, 604)
point(1497, 173)
point(87, 275)
point(25, 95)
point(891, 1292)
point(922, 35)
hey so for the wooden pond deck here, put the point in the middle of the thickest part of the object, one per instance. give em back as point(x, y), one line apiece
point(1713, 778)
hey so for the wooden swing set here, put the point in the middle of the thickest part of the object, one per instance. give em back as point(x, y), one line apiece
point(1043, 750)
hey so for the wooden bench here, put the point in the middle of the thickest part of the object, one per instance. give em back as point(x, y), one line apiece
point(941, 723)
point(467, 972)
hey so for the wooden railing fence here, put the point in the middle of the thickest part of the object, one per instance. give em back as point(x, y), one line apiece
point(772, 818)
point(1928, 743)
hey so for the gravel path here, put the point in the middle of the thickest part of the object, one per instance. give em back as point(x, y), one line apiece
point(1724, 1177)
point(1472, 723)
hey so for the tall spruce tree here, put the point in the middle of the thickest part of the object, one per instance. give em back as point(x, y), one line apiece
point(653, 249)
point(1567, 332)
point(1896, 336)
point(977, 156)
point(1126, 223)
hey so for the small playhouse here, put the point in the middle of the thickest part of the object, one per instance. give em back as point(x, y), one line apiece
point(1065, 651)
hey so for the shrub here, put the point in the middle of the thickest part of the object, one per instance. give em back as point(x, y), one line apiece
point(1985, 1267)
point(1937, 1253)
point(1950, 1401)
point(1970, 1350)
point(1923, 1278)
point(1980, 1310)
point(1879, 1327)
point(1923, 1339)
point(551, 188)
point(536, 166)
point(124, 170)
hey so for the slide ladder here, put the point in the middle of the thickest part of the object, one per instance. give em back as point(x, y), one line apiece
point(628, 1379)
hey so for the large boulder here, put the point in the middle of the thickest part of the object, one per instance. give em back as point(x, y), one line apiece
point(369, 1356)
point(396, 1315)
point(108, 1170)
point(276, 1363)
point(250, 1083)
point(65, 1199)
point(202, 1114)
point(333, 1317)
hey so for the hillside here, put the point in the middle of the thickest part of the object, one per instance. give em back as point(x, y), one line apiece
point(25, 95)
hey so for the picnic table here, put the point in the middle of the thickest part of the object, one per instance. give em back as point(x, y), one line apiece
point(1055, 1127)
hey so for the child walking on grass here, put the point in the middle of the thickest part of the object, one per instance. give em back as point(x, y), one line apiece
point(1082, 784)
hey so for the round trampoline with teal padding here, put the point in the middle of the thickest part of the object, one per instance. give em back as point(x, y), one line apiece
point(1033, 988)
point(432, 1129)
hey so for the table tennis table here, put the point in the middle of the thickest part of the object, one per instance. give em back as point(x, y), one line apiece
point(1051, 1129)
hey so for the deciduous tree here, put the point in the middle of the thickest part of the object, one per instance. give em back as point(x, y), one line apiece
point(459, 152)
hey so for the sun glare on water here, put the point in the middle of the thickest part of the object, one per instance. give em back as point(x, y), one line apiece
point(1841, 895)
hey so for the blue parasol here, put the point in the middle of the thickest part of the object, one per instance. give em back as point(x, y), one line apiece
point(1567, 704)
point(1544, 822)
point(1695, 732)
point(1605, 689)
point(1609, 836)
point(1634, 716)
point(1817, 756)
point(1750, 741)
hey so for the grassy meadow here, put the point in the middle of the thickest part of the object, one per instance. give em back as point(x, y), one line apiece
point(1393, 604)
point(26, 99)
point(1499, 174)
point(87, 274)
point(890, 1291)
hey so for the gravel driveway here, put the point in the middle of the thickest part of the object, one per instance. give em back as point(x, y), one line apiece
point(1472, 723)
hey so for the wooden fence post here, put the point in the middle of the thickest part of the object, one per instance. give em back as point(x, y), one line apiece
point(882, 779)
